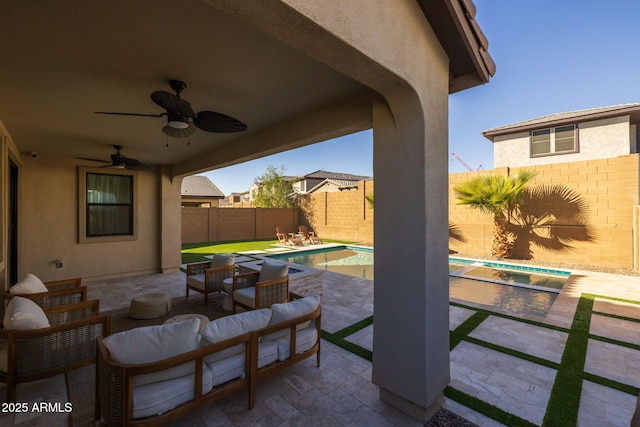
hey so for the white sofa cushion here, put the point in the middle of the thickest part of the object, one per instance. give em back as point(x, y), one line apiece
point(305, 339)
point(154, 343)
point(24, 314)
point(29, 284)
point(156, 398)
point(246, 296)
point(272, 271)
point(231, 326)
point(196, 280)
point(234, 366)
point(290, 310)
point(222, 260)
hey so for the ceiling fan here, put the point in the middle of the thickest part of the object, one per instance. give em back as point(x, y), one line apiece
point(119, 161)
point(182, 121)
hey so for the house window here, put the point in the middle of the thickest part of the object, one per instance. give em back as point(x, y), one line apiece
point(558, 140)
point(107, 206)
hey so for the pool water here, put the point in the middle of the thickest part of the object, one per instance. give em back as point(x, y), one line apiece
point(513, 289)
point(349, 260)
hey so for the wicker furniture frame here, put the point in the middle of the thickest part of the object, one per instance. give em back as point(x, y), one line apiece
point(115, 380)
point(60, 292)
point(268, 292)
point(68, 344)
point(213, 277)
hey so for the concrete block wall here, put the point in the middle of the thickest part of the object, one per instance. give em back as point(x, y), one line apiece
point(610, 188)
point(344, 215)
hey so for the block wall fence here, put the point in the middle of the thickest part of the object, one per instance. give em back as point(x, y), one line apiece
point(609, 235)
point(608, 187)
point(344, 215)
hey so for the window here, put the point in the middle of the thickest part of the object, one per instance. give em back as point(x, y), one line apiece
point(107, 208)
point(559, 140)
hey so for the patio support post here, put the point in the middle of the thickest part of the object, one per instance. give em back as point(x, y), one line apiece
point(411, 287)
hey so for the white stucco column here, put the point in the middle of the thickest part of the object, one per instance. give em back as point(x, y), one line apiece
point(411, 296)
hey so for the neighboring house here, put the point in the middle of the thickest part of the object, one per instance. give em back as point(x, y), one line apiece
point(199, 192)
point(236, 200)
point(596, 133)
point(321, 180)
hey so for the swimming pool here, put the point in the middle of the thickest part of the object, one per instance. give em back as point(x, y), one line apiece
point(530, 290)
point(353, 261)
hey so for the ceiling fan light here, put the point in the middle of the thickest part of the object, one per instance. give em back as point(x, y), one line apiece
point(178, 124)
point(177, 121)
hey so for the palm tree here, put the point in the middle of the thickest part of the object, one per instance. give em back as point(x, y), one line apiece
point(495, 194)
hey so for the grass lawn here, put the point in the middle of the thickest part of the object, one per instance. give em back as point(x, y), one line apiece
point(194, 252)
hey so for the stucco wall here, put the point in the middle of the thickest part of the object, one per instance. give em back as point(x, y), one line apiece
point(48, 226)
point(598, 139)
point(608, 186)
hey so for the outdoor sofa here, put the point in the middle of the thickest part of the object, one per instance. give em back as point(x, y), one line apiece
point(40, 343)
point(188, 369)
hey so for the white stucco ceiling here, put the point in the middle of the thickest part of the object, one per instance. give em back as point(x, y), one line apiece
point(64, 60)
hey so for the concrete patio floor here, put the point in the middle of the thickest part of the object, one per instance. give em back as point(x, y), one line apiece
point(483, 364)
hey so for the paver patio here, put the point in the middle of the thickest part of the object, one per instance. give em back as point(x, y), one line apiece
point(503, 360)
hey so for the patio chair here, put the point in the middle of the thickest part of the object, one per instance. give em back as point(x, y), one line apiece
point(207, 276)
point(261, 289)
point(288, 239)
point(308, 235)
point(48, 294)
point(40, 343)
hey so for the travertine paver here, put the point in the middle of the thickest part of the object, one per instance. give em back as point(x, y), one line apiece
point(510, 383)
point(612, 361)
point(458, 315)
point(618, 329)
point(534, 340)
point(363, 338)
point(619, 308)
point(602, 406)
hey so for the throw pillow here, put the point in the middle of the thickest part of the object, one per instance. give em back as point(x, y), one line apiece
point(29, 284)
point(291, 310)
point(23, 314)
point(231, 326)
point(272, 271)
point(222, 260)
point(149, 344)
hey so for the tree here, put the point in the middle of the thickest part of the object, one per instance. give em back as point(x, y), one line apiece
point(497, 195)
point(274, 190)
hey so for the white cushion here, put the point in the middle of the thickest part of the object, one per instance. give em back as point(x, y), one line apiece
point(29, 284)
point(24, 314)
point(246, 296)
point(272, 271)
point(196, 280)
point(267, 353)
point(154, 343)
point(222, 260)
point(227, 369)
point(305, 339)
point(231, 326)
point(290, 310)
point(157, 398)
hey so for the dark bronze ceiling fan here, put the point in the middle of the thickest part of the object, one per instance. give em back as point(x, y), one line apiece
point(119, 161)
point(182, 121)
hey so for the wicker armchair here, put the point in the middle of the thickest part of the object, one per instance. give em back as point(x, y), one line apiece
point(61, 292)
point(261, 289)
point(68, 344)
point(207, 276)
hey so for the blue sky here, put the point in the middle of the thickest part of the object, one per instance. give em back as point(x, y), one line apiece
point(552, 56)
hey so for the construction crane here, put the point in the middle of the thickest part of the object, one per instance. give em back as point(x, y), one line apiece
point(463, 163)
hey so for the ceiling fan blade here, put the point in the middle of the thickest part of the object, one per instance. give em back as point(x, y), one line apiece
point(210, 121)
point(93, 160)
point(122, 160)
point(130, 114)
point(179, 133)
point(171, 102)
